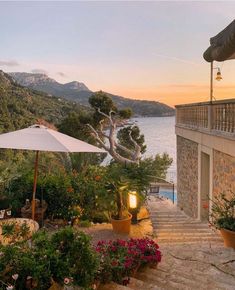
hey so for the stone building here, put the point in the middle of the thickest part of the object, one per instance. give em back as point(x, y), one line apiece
point(205, 154)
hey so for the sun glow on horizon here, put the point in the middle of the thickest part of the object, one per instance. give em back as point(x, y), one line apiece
point(139, 50)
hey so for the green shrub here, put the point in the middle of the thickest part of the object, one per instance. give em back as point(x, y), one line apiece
point(55, 189)
point(84, 223)
point(92, 192)
point(65, 254)
point(222, 216)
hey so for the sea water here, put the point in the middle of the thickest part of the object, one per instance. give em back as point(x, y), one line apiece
point(159, 133)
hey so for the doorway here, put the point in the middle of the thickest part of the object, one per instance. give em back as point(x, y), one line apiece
point(205, 187)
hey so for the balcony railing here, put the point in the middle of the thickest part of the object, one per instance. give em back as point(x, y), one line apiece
point(217, 117)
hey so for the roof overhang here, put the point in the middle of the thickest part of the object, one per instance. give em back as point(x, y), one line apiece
point(222, 45)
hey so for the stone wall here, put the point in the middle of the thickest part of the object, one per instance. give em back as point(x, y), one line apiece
point(187, 176)
point(223, 173)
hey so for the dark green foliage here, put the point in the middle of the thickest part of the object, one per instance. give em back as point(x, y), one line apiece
point(55, 189)
point(98, 187)
point(8, 229)
point(123, 137)
point(85, 223)
point(64, 254)
point(222, 216)
point(104, 103)
point(140, 176)
point(226, 223)
point(75, 125)
point(93, 196)
point(125, 113)
point(20, 107)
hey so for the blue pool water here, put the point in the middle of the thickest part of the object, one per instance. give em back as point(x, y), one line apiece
point(168, 194)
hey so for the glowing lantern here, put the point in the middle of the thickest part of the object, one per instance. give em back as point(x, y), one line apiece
point(132, 199)
point(218, 75)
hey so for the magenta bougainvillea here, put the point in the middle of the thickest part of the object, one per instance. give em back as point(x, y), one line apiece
point(120, 258)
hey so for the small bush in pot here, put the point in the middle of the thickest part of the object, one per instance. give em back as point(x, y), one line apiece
point(223, 216)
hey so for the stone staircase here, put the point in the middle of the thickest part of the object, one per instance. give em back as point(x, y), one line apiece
point(188, 270)
point(192, 268)
point(193, 255)
point(171, 225)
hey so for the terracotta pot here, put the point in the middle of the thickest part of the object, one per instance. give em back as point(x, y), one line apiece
point(122, 226)
point(229, 238)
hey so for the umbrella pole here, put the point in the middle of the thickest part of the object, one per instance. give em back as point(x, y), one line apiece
point(35, 184)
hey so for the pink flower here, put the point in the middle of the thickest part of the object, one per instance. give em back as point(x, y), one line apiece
point(15, 276)
point(66, 281)
point(10, 287)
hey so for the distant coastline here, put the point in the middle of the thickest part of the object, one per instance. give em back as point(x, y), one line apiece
point(78, 92)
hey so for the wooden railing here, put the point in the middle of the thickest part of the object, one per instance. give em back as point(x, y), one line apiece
point(218, 116)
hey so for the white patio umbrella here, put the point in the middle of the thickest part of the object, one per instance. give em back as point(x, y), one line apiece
point(41, 138)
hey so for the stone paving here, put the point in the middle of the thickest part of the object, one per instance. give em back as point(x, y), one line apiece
point(171, 225)
point(193, 255)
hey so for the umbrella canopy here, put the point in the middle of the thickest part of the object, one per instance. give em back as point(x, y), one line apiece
point(41, 138)
point(222, 45)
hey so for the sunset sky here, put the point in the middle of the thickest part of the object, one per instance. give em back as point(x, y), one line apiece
point(143, 50)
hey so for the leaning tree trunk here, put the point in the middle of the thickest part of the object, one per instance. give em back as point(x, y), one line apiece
point(113, 145)
point(119, 204)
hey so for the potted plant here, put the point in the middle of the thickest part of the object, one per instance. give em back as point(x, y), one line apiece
point(120, 217)
point(223, 217)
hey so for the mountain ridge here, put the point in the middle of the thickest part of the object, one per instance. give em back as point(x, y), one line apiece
point(20, 106)
point(80, 93)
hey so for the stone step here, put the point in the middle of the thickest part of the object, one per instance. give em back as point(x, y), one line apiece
point(113, 286)
point(185, 234)
point(167, 213)
point(186, 231)
point(167, 283)
point(137, 284)
point(181, 224)
point(209, 279)
point(189, 283)
point(185, 272)
point(193, 238)
point(188, 240)
point(152, 279)
point(188, 277)
point(182, 229)
point(170, 216)
point(172, 219)
point(177, 219)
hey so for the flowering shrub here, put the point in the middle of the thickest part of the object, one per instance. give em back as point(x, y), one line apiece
point(65, 257)
point(120, 258)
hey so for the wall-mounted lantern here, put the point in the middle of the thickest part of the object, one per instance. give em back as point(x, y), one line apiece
point(218, 75)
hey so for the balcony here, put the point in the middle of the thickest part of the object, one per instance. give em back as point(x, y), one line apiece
point(216, 118)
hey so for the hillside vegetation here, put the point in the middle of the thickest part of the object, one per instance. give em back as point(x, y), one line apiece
point(21, 107)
